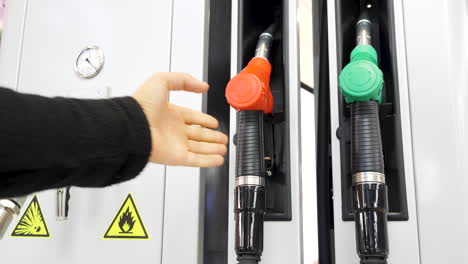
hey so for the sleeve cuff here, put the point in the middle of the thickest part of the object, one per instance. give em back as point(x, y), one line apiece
point(138, 139)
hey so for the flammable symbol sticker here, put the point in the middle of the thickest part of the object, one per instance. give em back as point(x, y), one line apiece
point(127, 224)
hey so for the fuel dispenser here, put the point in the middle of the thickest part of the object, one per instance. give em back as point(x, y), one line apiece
point(379, 158)
point(361, 83)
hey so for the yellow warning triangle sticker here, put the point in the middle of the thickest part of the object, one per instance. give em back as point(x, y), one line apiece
point(32, 223)
point(127, 224)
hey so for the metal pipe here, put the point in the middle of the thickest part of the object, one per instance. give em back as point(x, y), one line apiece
point(9, 208)
point(363, 32)
point(264, 45)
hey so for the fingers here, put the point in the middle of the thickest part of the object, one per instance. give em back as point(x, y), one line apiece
point(194, 117)
point(205, 135)
point(201, 160)
point(206, 148)
point(177, 81)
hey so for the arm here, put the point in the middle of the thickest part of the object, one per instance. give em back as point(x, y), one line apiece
point(55, 142)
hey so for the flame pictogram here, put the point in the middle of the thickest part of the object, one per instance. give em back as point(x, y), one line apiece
point(126, 222)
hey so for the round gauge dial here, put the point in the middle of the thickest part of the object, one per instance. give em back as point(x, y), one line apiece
point(89, 62)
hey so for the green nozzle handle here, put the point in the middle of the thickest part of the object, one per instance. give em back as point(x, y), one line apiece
point(362, 80)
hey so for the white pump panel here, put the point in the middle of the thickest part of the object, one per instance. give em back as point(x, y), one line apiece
point(40, 44)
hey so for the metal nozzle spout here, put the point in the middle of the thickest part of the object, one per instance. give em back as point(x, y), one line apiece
point(363, 32)
point(364, 25)
point(264, 45)
point(9, 208)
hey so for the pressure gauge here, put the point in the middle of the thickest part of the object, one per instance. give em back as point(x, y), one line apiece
point(89, 62)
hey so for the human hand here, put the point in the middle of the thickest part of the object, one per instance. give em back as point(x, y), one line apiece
point(180, 136)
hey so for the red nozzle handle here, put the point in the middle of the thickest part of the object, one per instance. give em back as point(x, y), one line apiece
point(250, 89)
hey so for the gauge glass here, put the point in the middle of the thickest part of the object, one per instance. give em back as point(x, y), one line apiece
point(89, 62)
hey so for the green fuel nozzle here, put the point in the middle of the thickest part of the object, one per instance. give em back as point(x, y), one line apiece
point(362, 80)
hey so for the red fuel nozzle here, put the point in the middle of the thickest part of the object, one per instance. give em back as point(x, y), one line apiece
point(250, 89)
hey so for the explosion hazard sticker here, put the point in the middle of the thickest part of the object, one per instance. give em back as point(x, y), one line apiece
point(127, 224)
point(32, 223)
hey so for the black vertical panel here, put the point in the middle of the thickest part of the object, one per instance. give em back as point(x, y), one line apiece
point(323, 131)
point(215, 250)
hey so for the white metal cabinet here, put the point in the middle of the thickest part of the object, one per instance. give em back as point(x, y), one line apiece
point(137, 38)
point(437, 77)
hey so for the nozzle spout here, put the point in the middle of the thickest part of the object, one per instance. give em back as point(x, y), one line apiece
point(264, 44)
point(363, 32)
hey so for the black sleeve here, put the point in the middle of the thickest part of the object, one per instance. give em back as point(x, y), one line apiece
point(56, 142)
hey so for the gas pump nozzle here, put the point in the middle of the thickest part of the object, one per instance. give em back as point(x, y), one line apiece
point(361, 83)
point(9, 208)
point(249, 93)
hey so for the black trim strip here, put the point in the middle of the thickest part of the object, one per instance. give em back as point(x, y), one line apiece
point(215, 248)
point(324, 171)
